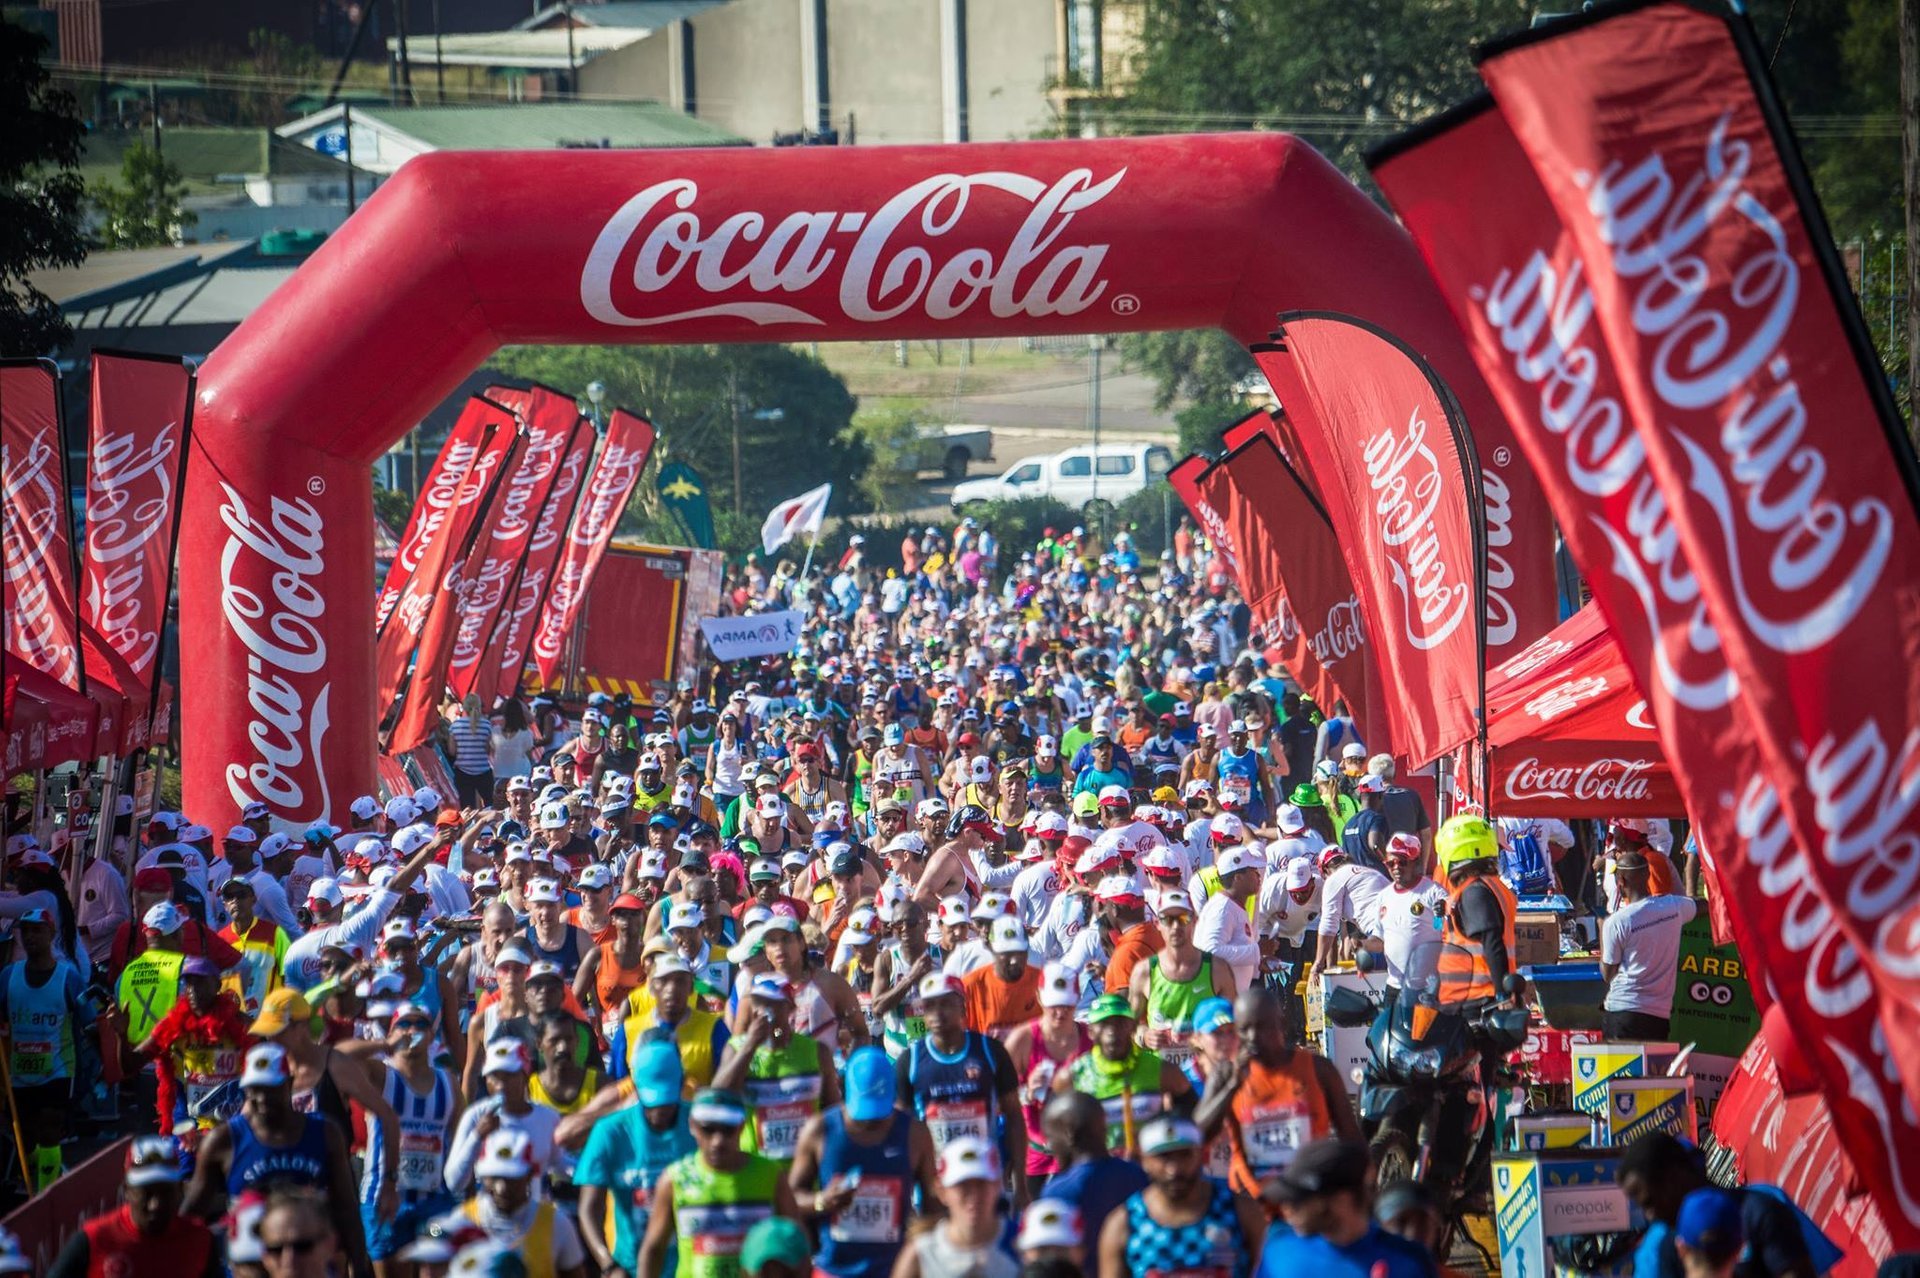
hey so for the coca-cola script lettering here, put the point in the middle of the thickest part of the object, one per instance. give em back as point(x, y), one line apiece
point(1607, 780)
point(129, 504)
point(285, 648)
point(885, 271)
point(1408, 486)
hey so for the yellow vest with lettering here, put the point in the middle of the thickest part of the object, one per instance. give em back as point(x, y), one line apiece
point(148, 989)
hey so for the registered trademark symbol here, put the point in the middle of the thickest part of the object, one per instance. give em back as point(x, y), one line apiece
point(1125, 304)
point(1502, 455)
point(316, 486)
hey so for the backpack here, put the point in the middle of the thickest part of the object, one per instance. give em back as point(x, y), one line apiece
point(1523, 862)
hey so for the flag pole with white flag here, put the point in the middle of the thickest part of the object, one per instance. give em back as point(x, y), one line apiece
point(796, 515)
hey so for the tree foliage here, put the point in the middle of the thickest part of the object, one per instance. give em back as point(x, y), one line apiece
point(142, 209)
point(690, 393)
point(891, 437)
point(40, 192)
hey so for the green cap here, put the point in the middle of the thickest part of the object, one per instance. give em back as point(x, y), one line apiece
point(1108, 1006)
point(1305, 796)
point(776, 1239)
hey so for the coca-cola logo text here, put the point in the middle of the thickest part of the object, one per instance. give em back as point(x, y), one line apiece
point(1802, 559)
point(1340, 634)
point(887, 269)
point(286, 649)
point(1540, 314)
point(129, 505)
point(1564, 696)
point(1604, 780)
point(39, 624)
point(1408, 487)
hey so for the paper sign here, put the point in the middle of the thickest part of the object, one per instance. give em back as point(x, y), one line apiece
point(761, 635)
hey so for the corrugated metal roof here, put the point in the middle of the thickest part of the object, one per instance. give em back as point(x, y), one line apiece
point(540, 125)
point(546, 49)
point(207, 157)
point(647, 15)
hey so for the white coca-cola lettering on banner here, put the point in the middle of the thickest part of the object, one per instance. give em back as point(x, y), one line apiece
point(431, 509)
point(285, 639)
point(39, 627)
point(1565, 696)
point(1408, 486)
point(1608, 780)
point(622, 457)
point(890, 259)
point(507, 650)
point(130, 493)
point(1340, 635)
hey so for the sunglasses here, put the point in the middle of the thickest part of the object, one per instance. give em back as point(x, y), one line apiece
point(296, 1246)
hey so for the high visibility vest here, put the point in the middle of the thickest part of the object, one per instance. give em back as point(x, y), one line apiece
point(148, 989)
point(1463, 972)
point(693, 1036)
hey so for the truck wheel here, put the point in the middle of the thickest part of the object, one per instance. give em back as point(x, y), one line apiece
point(955, 466)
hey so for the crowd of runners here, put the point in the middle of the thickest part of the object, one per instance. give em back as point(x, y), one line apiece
point(965, 940)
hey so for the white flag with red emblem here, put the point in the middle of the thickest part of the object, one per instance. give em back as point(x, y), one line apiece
point(796, 516)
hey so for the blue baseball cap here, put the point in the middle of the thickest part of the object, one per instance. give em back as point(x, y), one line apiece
point(658, 1075)
point(1710, 1221)
point(1211, 1015)
point(871, 1085)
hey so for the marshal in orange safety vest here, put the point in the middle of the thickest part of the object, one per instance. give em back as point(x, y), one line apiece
point(1468, 852)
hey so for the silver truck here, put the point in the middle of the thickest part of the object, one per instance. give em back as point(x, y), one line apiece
point(951, 449)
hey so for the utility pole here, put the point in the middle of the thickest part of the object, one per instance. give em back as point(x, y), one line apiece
point(153, 105)
point(439, 57)
point(346, 123)
point(1910, 166)
point(733, 403)
point(1093, 408)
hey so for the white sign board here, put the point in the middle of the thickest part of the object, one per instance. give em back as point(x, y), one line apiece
point(760, 635)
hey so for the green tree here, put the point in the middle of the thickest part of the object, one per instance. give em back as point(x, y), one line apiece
point(694, 395)
point(143, 208)
point(40, 193)
point(891, 436)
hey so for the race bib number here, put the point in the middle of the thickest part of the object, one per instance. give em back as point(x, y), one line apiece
point(420, 1162)
point(948, 1121)
point(714, 1233)
point(1177, 1047)
point(1146, 1105)
point(779, 1128)
point(34, 1058)
point(874, 1214)
point(1274, 1135)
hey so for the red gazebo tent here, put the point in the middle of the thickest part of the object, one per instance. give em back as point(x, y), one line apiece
point(1568, 733)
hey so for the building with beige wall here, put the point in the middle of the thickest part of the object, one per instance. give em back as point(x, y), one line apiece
point(884, 71)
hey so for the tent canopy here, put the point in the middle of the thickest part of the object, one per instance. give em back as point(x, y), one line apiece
point(1568, 733)
point(51, 723)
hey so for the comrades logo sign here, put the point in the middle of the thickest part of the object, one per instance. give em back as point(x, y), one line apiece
point(129, 503)
point(285, 647)
point(889, 259)
point(1605, 780)
point(32, 505)
point(1408, 487)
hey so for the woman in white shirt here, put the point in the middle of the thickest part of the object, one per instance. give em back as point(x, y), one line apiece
point(513, 742)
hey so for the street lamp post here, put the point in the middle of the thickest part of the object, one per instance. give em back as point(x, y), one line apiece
point(596, 392)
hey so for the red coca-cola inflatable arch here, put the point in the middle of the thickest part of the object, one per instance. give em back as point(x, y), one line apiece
point(460, 254)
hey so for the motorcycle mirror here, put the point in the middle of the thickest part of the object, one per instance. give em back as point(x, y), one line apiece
point(1513, 984)
point(1366, 962)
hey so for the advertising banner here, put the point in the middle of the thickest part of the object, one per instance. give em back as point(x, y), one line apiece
point(506, 656)
point(551, 421)
point(136, 459)
point(1769, 432)
point(622, 457)
point(760, 635)
point(466, 496)
point(435, 505)
point(1389, 452)
point(41, 611)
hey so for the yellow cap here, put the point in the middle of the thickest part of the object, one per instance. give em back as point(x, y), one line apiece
point(1462, 839)
point(283, 1007)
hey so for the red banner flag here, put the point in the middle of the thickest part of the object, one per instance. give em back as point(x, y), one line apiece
point(1768, 430)
point(495, 435)
point(1272, 503)
point(622, 457)
point(551, 420)
point(435, 504)
point(506, 658)
point(42, 613)
point(1394, 466)
point(136, 459)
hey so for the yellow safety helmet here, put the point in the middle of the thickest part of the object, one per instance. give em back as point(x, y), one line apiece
point(1462, 839)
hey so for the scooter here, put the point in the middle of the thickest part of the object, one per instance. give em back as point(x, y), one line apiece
point(1424, 1103)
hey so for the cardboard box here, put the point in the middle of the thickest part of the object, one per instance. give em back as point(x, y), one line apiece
point(1553, 1131)
point(1637, 1106)
point(1345, 1046)
point(1595, 1063)
point(1548, 1053)
point(1536, 934)
point(1540, 1196)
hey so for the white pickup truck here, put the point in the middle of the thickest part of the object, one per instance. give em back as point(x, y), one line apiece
point(1077, 477)
point(951, 449)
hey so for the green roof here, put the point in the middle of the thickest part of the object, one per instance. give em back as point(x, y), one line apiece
point(540, 125)
point(206, 156)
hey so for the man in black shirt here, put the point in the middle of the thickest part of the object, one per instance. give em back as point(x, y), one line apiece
point(1297, 736)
